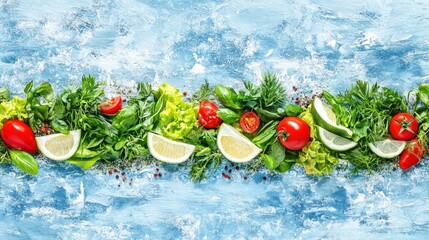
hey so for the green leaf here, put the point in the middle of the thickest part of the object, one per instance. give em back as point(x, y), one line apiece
point(269, 161)
point(277, 151)
point(28, 87)
point(227, 115)
point(228, 97)
point(266, 115)
point(84, 164)
point(284, 166)
point(45, 90)
point(4, 95)
point(24, 161)
point(423, 93)
point(292, 110)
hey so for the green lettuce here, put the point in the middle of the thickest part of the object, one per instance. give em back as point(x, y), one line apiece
point(178, 117)
point(13, 109)
point(315, 157)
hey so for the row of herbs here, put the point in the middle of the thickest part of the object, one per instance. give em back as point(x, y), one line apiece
point(117, 140)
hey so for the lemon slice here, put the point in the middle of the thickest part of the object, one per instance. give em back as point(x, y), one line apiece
point(333, 141)
point(167, 150)
point(325, 117)
point(59, 146)
point(387, 148)
point(234, 145)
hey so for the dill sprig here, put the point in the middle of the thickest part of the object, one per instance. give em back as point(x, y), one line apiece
point(204, 93)
point(272, 92)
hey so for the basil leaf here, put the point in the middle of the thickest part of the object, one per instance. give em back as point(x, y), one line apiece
point(269, 161)
point(292, 110)
point(84, 164)
point(424, 93)
point(28, 87)
point(24, 161)
point(227, 115)
point(228, 97)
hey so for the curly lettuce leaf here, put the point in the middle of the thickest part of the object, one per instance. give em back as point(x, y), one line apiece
point(13, 109)
point(178, 117)
point(315, 157)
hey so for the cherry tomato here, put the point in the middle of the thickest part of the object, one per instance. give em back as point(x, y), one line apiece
point(207, 115)
point(403, 126)
point(111, 106)
point(411, 155)
point(293, 133)
point(249, 122)
point(18, 135)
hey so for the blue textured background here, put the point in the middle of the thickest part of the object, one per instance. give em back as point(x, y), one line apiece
point(313, 45)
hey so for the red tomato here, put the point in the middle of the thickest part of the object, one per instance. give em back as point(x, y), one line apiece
point(18, 135)
point(111, 106)
point(403, 126)
point(293, 133)
point(411, 155)
point(249, 122)
point(207, 115)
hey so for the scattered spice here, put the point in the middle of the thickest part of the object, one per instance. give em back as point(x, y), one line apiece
point(110, 172)
point(160, 175)
point(265, 178)
point(155, 174)
point(226, 176)
point(245, 177)
point(117, 176)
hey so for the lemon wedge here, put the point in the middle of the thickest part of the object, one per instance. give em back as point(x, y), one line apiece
point(234, 145)
point(59, 146)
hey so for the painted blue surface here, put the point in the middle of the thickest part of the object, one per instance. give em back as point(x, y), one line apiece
point(311, 44)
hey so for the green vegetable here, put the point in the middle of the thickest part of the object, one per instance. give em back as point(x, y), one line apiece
point(39, 102)
point(134, 122)
point(292, 110)
point(206, 154)
point(362, 157)
point(178, 117)
point(4, 95)
point(13, 109)
point(228, 97)
point(78, 108)
point(227, 115)
point(266, 135)
point(204, 93)
point(4, 153)
point(267, 115)
point(315, 157)
point(24, 161)
point(423, 93)
point(366, 109)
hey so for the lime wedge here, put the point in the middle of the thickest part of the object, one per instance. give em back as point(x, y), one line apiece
point(325, 117)
point(387, 148)
point(234, 145)
point(59, 146)
point(333, 141)
point(167, 150)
